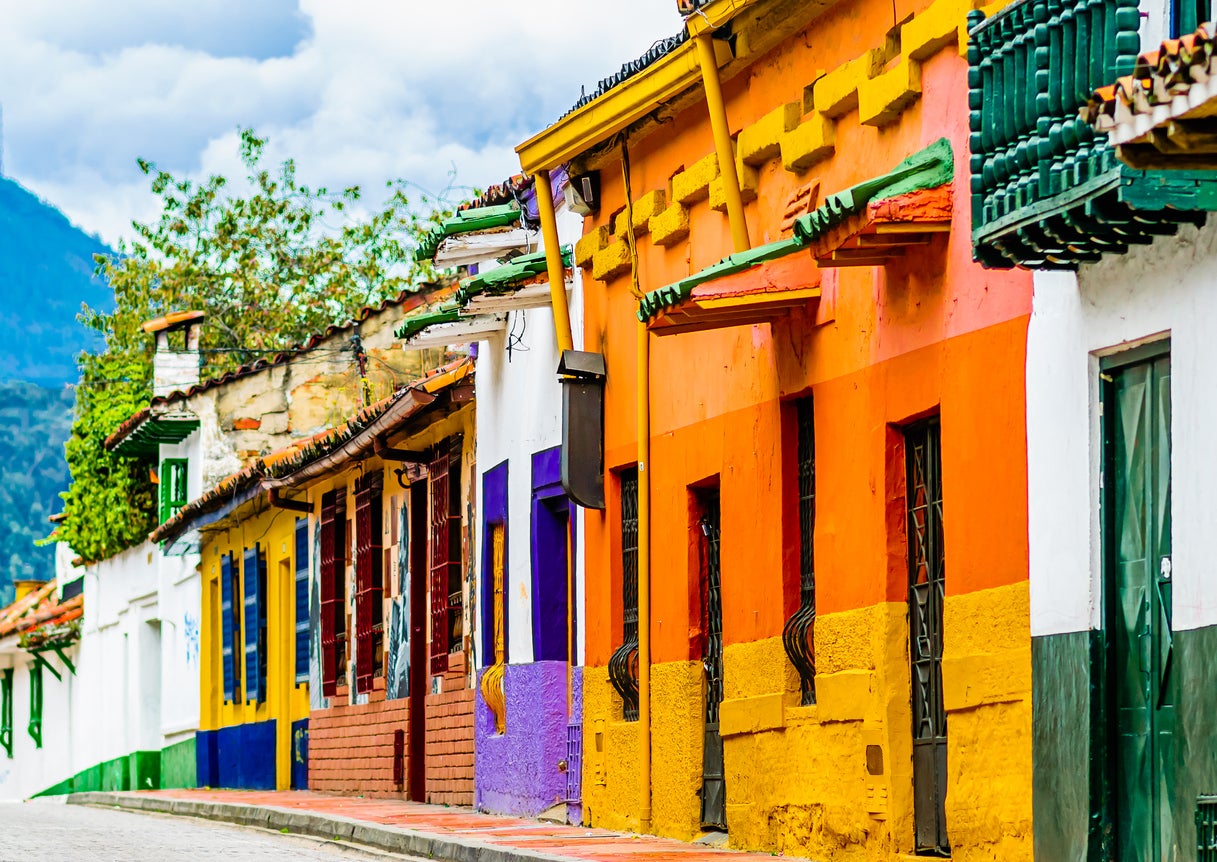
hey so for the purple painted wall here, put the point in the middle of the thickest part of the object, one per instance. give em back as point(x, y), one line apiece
point(517, 772)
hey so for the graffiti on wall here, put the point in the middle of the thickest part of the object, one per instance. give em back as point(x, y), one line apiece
point(397, 684)
point(190, 637)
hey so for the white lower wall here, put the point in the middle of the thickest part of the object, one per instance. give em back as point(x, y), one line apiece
point(1167, 288)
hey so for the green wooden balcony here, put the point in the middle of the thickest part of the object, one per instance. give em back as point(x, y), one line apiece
point(1047, 191)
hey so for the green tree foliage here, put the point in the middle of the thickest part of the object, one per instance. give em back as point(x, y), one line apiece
point(270, 262)
point(34, 423)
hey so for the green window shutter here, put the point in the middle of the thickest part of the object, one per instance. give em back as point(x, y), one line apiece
point(173, 487)
point(35, 726)
point(6, 711)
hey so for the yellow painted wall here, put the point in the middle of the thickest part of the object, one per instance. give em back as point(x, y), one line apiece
point(797, 776)
point(286, 700)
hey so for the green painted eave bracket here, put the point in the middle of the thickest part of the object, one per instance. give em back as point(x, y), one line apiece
point(467, 221)
point(505, 277)
point(448, 312)
point(40, 659)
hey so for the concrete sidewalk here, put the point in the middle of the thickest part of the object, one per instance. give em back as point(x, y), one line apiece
point(427, 831)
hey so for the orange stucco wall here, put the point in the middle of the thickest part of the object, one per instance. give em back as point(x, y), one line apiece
point(930, 333)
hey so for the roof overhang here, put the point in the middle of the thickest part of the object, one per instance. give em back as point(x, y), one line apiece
point(477, 327)
point(535, 295)
point(760, 294)
point(625, 104)
point(146, 435)
point(471, 248)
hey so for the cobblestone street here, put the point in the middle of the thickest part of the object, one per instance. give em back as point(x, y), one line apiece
point(52, 832)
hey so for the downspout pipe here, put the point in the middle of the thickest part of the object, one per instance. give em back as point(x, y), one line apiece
point(644, 574)
point(553, 261)
point(723, 147)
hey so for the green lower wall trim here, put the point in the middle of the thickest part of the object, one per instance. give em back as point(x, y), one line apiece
point(140, 770)
point(178, 767)
point(1070, 753)
point(1060, 709)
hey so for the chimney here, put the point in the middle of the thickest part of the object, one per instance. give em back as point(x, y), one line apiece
point(175, 369)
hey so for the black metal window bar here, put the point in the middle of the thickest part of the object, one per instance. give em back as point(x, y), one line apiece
point(1206, 829)
point(798, 635)
point(710, 527)
point(623, 664)
point(927, 585)
point(714, 788)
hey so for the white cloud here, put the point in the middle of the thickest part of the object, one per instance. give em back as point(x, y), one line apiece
point(358, 91)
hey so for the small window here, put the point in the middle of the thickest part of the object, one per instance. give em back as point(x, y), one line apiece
point(798, 635)
point(230, 626)
point(254, 576)
point(35, 726)
point(6, 711)
point(623, 664)
point(302, 590)
point(1188, 15)
point(172, 487)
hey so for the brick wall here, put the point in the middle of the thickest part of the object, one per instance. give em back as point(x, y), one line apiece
point(351, 747)
point(449, 745)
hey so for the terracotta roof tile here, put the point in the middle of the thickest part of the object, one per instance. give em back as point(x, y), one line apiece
point(37, 608)
point(1158, 78)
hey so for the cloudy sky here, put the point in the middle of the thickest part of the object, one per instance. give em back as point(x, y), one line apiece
point(358, 91)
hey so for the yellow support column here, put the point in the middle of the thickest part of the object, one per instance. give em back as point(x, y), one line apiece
point(553, 261)
point(722, 141)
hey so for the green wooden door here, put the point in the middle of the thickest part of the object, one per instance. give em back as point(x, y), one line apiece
point(1137, 483)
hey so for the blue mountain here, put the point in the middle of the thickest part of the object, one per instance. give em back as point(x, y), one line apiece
point(46, 272)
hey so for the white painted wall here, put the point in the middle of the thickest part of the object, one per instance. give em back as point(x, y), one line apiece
point(136, 686)
point(519, 413)
point(1167, 288)
point(32, 769)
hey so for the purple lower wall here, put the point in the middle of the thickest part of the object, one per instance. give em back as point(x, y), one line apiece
point(518, 772)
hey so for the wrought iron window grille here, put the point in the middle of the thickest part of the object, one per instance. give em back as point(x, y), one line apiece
point(927, 587)
point(798, 635)
point(623, 664)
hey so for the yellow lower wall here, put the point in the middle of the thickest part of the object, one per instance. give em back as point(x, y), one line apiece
point(797, 776)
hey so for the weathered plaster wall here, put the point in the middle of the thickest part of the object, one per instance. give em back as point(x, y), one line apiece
point(518, 771)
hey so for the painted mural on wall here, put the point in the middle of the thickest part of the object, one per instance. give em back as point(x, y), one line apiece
point(397, 684)
point(315, 698)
